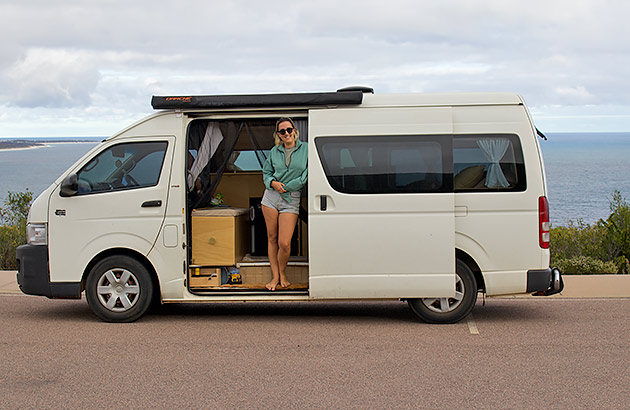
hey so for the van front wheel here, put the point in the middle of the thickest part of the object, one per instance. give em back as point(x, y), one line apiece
point(453, 309)
point(119, 289)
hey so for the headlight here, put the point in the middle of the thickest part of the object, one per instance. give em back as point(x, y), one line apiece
point(36, 234)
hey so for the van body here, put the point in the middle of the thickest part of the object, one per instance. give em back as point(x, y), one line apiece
point(428, 198)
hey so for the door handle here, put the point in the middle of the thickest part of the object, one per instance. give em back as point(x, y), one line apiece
point(150, 204)
point(323, 203)
point(461, 211)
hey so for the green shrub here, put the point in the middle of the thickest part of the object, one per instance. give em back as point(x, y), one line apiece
point(10, 239)
point(13, 226)
point(583, 265)
point(581, 248)
point(617, 231)
point(579, 239)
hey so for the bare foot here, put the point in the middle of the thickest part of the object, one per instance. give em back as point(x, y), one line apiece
point(284, 282)
point(272, 285)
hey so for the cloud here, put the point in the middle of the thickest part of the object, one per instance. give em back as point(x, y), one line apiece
point(578, 94)
point(52, 78)
point(104, 57)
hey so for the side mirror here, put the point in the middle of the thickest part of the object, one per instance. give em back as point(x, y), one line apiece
point(69, 185)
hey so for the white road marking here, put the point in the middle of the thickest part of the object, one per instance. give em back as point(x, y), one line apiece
point(472, 326)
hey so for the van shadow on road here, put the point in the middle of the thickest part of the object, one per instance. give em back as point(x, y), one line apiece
point(356, 311)
point(498, 310)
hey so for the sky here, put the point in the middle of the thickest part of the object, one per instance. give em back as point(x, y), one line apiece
point(89, 68)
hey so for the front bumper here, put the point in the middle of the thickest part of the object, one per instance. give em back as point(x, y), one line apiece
point(544, 282)
point(33, 276)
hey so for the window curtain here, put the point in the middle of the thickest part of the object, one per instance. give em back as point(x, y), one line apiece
point(494, 150)
point(211, 140)
point(302, 126)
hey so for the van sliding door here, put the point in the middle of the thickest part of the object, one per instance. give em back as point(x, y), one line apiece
point(381, 203)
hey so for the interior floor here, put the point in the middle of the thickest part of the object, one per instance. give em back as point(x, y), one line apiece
point(254, 272)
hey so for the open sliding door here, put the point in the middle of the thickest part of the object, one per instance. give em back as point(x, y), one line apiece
point(381, 204)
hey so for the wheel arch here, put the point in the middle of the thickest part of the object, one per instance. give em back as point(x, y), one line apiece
point(474, 267)
point(129, 253)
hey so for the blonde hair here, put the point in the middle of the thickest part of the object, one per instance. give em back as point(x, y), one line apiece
point(277, 139)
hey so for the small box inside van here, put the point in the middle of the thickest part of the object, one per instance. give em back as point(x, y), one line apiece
point(427, 198)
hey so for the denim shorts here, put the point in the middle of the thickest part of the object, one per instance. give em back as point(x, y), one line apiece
point(272, 199)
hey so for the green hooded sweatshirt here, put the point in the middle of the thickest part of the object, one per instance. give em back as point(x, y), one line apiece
point(294, 176)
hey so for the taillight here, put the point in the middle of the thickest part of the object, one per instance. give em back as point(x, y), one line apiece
point(543, 222)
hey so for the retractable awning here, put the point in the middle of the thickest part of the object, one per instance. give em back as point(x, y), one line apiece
point(257, 100)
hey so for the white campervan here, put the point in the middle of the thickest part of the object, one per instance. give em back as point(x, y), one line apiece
point(427, 198)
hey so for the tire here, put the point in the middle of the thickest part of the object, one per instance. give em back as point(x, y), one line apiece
point(119, 289)
point(449, 310)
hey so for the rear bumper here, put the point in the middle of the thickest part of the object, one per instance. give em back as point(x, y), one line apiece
point(544, 282)
point(33, 276)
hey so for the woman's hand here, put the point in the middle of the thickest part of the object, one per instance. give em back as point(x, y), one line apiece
point(278, 186)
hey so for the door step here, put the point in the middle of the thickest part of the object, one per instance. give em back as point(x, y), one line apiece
point(251, 289)
point(258, 270)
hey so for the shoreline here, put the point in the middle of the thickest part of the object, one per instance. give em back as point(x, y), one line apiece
point(46, 145)
point(23, 148)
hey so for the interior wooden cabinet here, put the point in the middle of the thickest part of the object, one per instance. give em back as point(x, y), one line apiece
point(220, 237)
point(238, 187)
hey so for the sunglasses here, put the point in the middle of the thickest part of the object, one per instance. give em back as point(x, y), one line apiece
point(284, 131)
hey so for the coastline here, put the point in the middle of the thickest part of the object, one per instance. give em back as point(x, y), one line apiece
point(23, 148)
point(43, 145)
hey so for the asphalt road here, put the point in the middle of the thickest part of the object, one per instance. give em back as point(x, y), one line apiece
point(511, 354)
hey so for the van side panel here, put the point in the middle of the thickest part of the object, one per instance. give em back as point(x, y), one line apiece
point(499, 230)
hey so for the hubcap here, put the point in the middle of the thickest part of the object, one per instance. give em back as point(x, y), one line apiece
point(445, 305)
point(118, 290)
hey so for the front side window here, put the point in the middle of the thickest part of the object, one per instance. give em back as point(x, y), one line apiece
point(123, 166)
point(387, 164)
point(488, 163)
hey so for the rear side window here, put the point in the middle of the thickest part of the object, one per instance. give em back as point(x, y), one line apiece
point(387, 164)
point(488, 163)
point(123, 166)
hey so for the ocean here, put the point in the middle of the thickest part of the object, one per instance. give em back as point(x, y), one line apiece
point(583, 170)
point(37, 168)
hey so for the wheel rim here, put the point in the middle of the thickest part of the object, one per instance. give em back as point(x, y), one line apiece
point(118, 290)
point(445, 305)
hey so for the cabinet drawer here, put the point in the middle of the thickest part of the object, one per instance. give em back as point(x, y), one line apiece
point(218, 240)
point(206, 277)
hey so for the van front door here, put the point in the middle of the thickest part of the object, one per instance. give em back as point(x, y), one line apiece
point(120, 204)
point(381, 203)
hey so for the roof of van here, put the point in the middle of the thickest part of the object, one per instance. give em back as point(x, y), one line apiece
point(348, 96)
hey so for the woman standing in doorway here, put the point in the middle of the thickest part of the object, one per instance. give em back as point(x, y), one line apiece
point(284, 174)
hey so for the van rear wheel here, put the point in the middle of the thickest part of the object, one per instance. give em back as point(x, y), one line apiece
point(453, 309)
point(119, 289)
